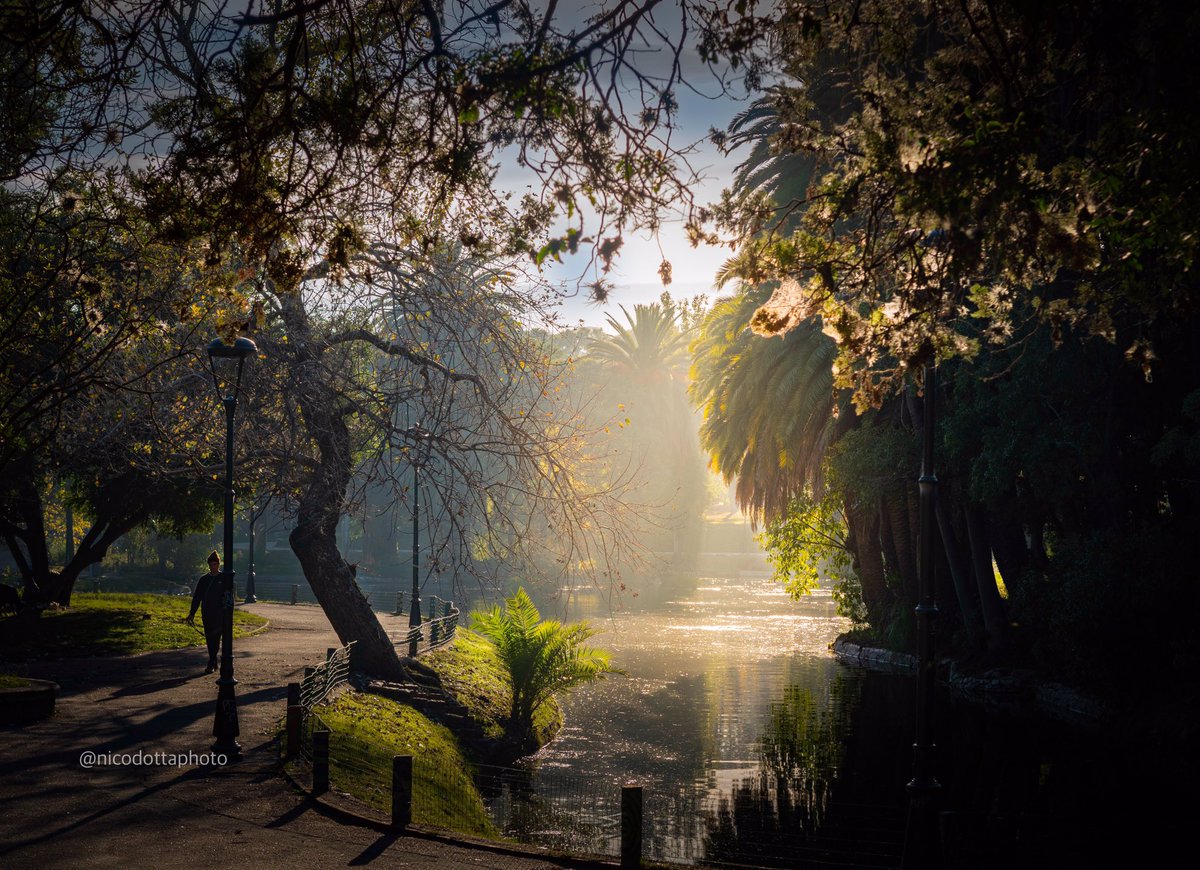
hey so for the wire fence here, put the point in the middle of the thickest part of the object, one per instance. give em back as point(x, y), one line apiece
point(318, 683)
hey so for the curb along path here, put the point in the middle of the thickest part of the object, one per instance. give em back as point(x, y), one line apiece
point(151, 714)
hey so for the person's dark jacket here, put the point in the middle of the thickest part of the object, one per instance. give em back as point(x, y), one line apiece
point(207, 597)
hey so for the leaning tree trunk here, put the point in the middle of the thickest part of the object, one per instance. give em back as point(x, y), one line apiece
point(314, 540)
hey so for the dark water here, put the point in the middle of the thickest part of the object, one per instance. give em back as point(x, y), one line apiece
point(754, 746)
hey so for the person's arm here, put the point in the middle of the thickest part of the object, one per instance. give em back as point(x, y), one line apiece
point(196, 596)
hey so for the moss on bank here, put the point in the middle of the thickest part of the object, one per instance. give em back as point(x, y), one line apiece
point(368, 730)
point(471, 670)
point(9, 681)
point(106, 623)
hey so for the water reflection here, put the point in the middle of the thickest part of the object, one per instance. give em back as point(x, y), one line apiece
point(733, 717)
point(756, 747)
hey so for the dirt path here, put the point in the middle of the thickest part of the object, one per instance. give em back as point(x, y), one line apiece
point(54, 812)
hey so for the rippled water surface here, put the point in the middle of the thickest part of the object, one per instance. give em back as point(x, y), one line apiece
point(755, 747)
point(732, 715)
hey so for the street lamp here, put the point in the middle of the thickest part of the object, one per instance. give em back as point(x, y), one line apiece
point(921, 841)
point(221, 360)
point(250, 596)
point(420, 453)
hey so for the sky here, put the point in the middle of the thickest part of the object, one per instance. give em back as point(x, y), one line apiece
point(635, 272)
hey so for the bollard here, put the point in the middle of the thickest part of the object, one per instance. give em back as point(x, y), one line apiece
point(321, 762)
point(402, 770)
point(292, 747)
point(295, 591)
point(631, 826)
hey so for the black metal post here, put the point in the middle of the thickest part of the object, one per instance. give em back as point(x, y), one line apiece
point(250, 596)
point(414, 607)
point(225, 722)
point(921, 841)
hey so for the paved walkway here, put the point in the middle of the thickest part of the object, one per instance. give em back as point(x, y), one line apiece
point(56, 813)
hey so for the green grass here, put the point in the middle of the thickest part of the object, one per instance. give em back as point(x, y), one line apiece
point(107, 623)
point(368, 730)
point(8, 681)
point(471, 670)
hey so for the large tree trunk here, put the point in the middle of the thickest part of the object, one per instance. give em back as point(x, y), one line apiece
point(314, 540)
point(994, 618)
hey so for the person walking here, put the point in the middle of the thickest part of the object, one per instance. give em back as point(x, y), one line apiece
point(207, 599)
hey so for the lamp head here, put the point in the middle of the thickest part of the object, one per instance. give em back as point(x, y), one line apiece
point(240, 349)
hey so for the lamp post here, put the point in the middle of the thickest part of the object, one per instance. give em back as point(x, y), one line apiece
point(250, 596)
point(221, 360)
point(921, 841)
point(420, 452)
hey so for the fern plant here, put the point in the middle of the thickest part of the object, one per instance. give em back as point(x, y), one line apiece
point(543, 657)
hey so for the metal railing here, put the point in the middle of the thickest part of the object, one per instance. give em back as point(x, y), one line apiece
point(316, 686)
point(438, 626)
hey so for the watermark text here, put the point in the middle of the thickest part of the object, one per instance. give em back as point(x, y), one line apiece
point(90, 759)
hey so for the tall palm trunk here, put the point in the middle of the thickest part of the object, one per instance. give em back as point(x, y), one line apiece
point(960, 573)
point(995, 619)
point(868, 564)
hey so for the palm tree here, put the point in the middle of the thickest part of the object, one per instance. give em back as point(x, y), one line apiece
point(645, 361)
point(543, 658)
point(650, 349)
point(767, 403)
point(782, 176)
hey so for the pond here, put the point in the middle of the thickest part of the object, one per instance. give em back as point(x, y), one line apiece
point(754, 746)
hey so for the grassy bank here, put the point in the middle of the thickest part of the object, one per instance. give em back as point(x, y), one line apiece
point(8, 681)
point(470, 670)
point(105, 623)
point(368, 730)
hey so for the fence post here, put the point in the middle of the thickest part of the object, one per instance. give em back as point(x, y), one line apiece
point(295, 720)
point(294, 714)
point(434, 626)
point(402, 771)
point(320, 762)
point(295, 591)
point(631, 826)
point(329, 651)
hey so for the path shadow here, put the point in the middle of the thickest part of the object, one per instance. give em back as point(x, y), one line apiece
point(150, 688)
point(373, 851)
